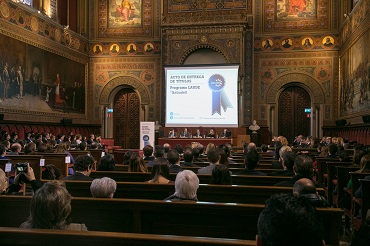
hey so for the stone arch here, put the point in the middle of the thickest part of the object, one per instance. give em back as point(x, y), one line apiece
point(299, 79)
point(193, 48)
point(124, 80)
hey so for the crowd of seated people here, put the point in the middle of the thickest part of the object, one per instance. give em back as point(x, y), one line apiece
point(163, 160)
point(211, 133)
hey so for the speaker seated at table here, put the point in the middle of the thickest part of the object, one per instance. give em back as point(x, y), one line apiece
point(185, 133)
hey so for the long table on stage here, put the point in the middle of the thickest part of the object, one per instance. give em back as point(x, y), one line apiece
point(186, 141)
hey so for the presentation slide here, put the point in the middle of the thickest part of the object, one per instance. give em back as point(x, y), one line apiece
point(202, 96)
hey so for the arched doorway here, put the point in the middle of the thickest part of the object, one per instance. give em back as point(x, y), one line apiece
point(293, 120)
point(126, 119)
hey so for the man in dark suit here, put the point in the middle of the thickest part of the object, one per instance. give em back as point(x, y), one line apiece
point(188, 158)
point(173, 158)
point(303, 168)
point(214, 159)
point(332, 149)
point(158, 152)
point(251, 161)
point(287, 161)
point(185, 134)
point(172, 134)
point(83, 166)
point(148, 153)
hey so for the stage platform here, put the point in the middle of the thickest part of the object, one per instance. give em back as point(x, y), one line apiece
point(186, 141)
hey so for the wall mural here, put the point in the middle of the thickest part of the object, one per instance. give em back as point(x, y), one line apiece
point(295, 9)
point(355, 78)
point(32, 79)
point(123, 13)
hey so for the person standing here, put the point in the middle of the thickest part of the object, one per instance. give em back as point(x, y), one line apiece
point(6, 80)
point(20, 82)
point(57, 90)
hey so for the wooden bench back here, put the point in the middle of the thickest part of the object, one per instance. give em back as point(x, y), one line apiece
point(206, 192)
point(34, 237)
point(34, 161)
point(203, 178)
point(168, 218)
point(58, 160)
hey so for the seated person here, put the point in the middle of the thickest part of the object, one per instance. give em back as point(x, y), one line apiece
point(106, 163)
point(172, 133)
point(213, 158)
point(221, 175)
point(303, 168)
point(284, 211)
point(21, 177)
point(225, 134)
point(197, 134)
point(148, 153)
point(137, 164)
point(211, 134)
point(188, 158)
point(103, 188)
point(50, 208)
point(160, 172)
point(251, 161)
point(186, 186)
point(173, 158)
point(307, 189)
point(82, 167)
point(185, 134)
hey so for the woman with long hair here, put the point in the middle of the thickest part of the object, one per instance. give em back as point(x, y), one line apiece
point(160, 172)
point(137, 164)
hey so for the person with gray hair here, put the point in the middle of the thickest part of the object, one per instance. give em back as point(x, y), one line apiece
point(103, 188)
point(186, 186)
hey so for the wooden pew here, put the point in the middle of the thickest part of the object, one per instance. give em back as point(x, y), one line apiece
point(96, 153)
point(206, 192)
point(34, 161)
point(365, 198)
point(203, 178)
point(322, 168)
point(356, 203)
point(199, 219)
point(76, 153)
point(332, 175)
point(343, 177)
point(34, 237)
point(58, 160)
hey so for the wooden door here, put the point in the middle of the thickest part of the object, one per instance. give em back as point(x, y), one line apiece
point(293, 120)
point(126, 126)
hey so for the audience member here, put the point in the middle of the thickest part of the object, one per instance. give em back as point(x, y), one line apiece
point(287, 161)
point(137, 164)
point(188, 158)
point(167, 148)
point(3, 152)
point(126, 157)
point(50, 208)
point(15, 149)
point(221, 175)
point(223, 157)
point(214, 159)
point(83, 167)
point(158, 152)
point(24, 177)
point(148, 153)
point(289, 220)
point(186, 186)
point(307, 189)
point(174, 159)
point(251, 161)
point(303, 168)
point(160, 172)
point(106, 163)
point(103, 188)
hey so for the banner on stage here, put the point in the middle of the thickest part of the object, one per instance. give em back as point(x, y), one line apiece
point(147, 133)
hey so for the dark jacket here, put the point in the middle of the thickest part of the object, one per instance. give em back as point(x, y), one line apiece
point(78, 176)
